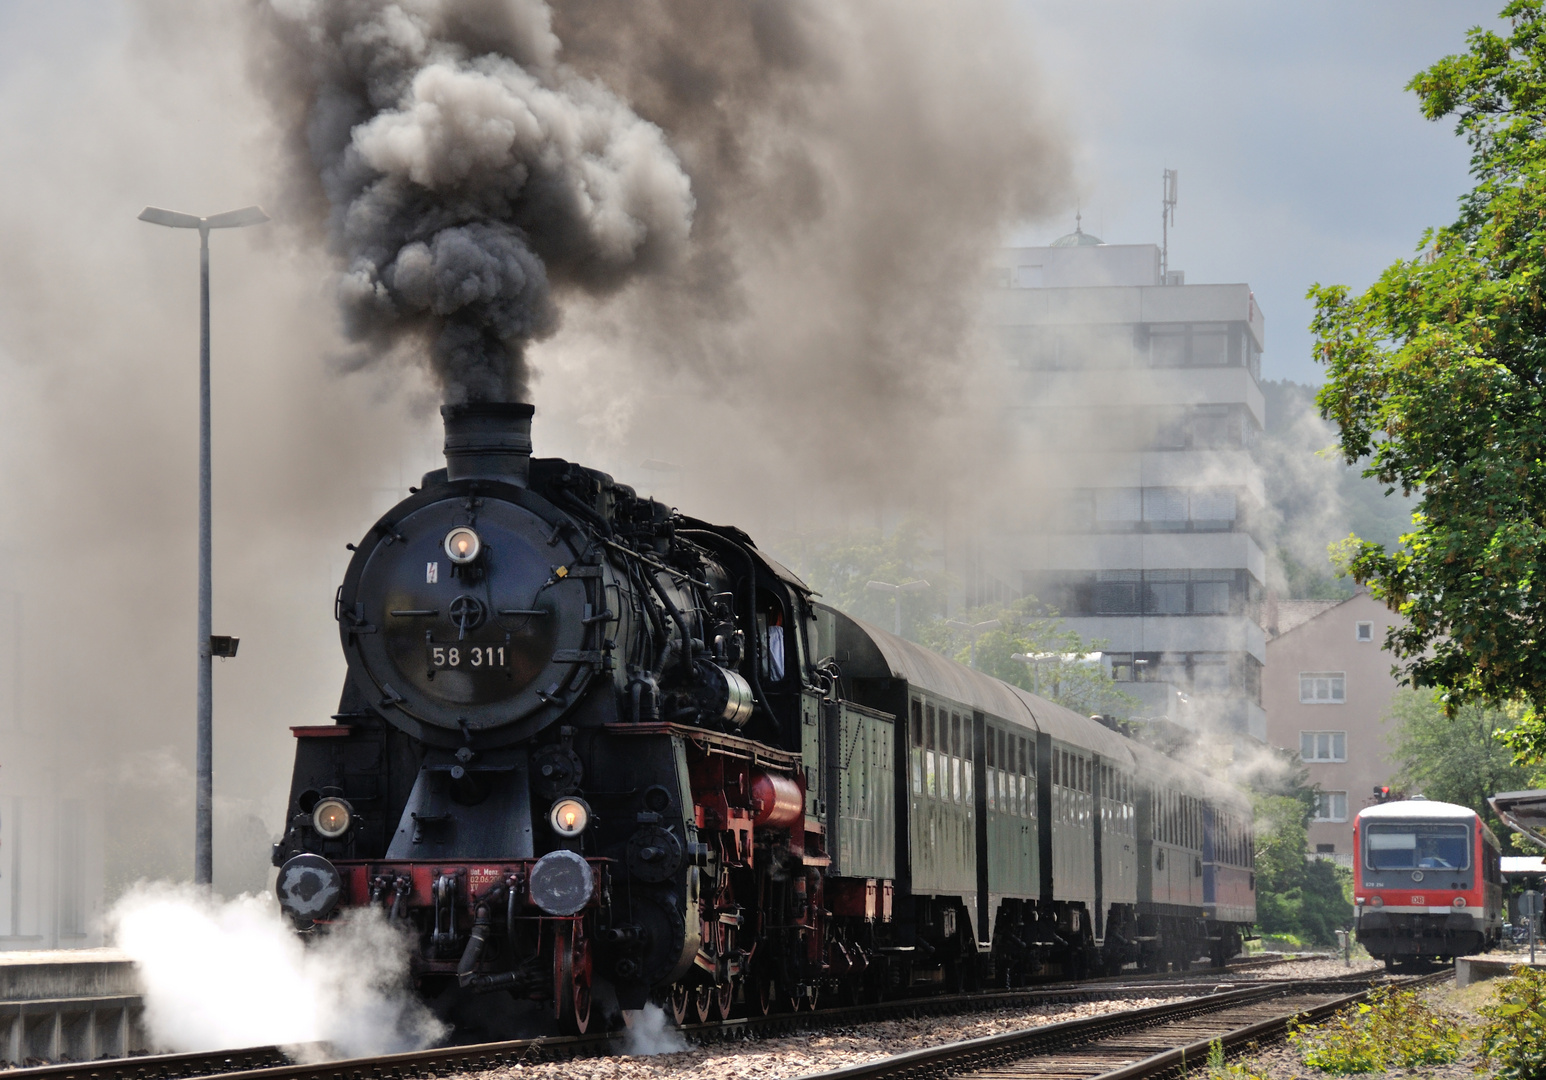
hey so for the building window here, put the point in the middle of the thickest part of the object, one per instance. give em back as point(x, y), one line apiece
point(1153, 509)
point(1323, 745)
point(1152, 592)
point(1165, 592)
point(1322, 687)
point(1365, 631)
point(1331, 806)
point(1165, 508)
point(1325, 849)
point(1118, 509)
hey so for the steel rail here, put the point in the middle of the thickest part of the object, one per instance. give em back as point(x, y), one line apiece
point(273, 1063)
point(1002, 1050)
point(1242, 1039)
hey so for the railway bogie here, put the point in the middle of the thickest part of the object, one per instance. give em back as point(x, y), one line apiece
point(592, 749)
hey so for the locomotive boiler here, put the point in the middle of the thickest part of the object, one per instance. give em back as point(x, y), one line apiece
point(589, 745)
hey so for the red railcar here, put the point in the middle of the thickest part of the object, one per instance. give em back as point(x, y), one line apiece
point(1426, 881)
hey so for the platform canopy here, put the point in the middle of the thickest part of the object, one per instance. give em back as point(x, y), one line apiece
point(1524, 812)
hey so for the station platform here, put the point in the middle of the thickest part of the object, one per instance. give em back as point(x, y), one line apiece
point(1495, 965)
point(68, 1005)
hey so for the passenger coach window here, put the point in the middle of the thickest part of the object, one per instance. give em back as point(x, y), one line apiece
point(930, 773)
point(952, 736)
point(916, 757)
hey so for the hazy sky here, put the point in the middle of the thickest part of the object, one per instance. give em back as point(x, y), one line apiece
point(1302, 159)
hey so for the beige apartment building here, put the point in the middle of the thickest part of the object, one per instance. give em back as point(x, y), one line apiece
point(1325, 687)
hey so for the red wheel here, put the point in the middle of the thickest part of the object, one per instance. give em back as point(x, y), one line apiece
point(681, 1003)
point(766, 998)
point(703, 1003)
point(572, 976)
point(724, 999)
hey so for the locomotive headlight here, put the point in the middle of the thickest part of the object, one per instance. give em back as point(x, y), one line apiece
point(569, 817)
point(1376, 901)
point(462, 545)
point(1459, 902)
point(331, 818)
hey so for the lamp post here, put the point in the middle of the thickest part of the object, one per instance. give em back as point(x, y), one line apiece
point(896, 592)
point(976, 630)
point(203, 845)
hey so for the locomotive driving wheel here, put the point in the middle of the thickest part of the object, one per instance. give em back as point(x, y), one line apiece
point(703, 1003)
point(724, 998)
point(765, 998)
point(681, 1003)
point(572, 976)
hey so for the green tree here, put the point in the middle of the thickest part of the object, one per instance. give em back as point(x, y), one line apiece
point(1437, 381)
point(1456, 759)
point(839, 566)
point(1302, 897)
point(1066, 670)
point(1305, 898)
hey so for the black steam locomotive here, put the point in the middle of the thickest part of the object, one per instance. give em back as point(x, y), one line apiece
point(590, 745)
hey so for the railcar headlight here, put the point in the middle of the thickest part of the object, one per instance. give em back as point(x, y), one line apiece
point(331, 817)
point(1459, 901)
point(1376, 901)
point(569, 817)
point(462, 545)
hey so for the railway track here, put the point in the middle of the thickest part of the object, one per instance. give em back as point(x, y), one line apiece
point(1143, 1044)
point(273, 1063)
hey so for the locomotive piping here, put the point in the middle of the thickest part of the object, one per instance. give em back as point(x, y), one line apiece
point(751, 589)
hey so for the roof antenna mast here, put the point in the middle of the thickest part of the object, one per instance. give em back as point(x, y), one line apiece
point(1167, 219)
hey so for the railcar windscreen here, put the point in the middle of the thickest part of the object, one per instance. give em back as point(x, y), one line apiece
point(1417, 846)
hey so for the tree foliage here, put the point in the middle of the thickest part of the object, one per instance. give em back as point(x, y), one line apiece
point(1437, 381)
point(1066, 670)
point(840, 566)
point(1456, 759)
point(1295, 895)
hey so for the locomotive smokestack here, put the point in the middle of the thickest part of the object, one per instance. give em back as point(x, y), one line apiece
point(488, 439)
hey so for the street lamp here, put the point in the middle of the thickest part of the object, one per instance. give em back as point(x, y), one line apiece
point(203, 844)
point(976, 630)
point(896, 592)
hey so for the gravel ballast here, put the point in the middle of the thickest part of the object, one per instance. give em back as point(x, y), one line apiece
point(796, 1055)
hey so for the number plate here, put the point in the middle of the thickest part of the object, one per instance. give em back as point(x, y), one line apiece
point(468, 656)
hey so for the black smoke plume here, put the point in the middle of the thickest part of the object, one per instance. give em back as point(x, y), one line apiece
point(463, 172)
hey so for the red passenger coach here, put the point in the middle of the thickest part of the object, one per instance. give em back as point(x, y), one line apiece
point(1426, 881)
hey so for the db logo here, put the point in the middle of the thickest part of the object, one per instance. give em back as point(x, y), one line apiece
point(1419, 901)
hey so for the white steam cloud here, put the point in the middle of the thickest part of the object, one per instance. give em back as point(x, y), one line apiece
point(226, 974)
point(649, 1033)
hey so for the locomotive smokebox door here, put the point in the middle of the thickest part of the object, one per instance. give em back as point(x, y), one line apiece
point(464, 623)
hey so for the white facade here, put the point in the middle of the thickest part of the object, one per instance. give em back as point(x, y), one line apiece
point(1138, 408)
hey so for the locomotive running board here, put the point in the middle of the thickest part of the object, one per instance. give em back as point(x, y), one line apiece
point(755, 752)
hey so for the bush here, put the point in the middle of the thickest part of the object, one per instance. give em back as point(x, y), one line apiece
point(1390, 1030)
point(1514, 1032)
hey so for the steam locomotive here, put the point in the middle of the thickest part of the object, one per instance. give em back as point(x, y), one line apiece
point(589, 748)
